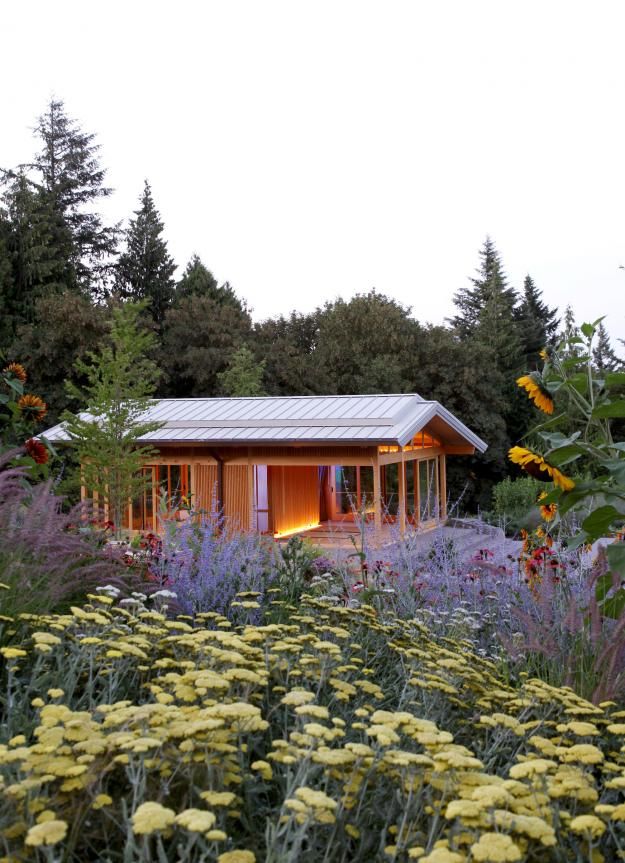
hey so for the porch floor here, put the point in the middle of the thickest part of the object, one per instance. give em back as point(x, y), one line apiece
point(335, 537)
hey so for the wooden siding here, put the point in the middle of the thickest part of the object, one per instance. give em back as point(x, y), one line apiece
point(294, 497)
point(204, 486)
point(237, 496)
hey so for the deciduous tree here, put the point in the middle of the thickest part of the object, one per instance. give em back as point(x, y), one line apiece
point(120, 381)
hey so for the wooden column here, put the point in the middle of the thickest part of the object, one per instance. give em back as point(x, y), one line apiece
point(401, 489)
point(377, 498)
point(442, 508)
point(252, 517)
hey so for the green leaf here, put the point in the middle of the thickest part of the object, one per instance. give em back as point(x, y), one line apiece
point(613, 606)
point(575, 542)
point(599, 521)
point(588, 330)
point(616, 557)
point(557, 439)
point(610, 409)
point(603, 587)
point(564, 455)
point(614, 379)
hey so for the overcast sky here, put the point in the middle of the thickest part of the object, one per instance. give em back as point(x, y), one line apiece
point(309, 150)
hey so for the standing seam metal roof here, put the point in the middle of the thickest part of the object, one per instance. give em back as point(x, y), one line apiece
point(384, 419)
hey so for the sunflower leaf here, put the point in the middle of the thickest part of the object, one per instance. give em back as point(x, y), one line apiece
point(610, 409)
point(613, 606)
point(616, 557)
point(579, 539)
point(598, 522)
point(564, 455)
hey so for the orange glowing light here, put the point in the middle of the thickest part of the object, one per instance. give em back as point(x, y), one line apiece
point(298, 529)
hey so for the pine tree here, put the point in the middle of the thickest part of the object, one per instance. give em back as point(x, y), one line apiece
point(244, 375)
point(120, 381)
point(68, 174)
point(604, 357)
point(145, 270)
point(537, 322)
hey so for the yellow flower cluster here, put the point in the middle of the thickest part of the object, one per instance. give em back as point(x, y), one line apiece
point(318, 738)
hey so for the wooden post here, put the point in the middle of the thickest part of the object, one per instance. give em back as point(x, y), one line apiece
point(442, 507)
point(401, 489)
point(417, 488)
point(377, 499)
point(252, 517)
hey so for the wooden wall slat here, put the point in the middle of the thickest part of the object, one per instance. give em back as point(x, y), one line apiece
point(237, 496)
point(204, 493)
point(294, 495)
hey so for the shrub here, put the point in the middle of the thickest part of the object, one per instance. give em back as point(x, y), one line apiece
point(515, 498)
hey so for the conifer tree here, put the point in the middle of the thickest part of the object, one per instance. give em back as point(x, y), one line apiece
point(537, 322)
point(604, 356)
point(70, 179)
point(145, 270)
point(197, 280)
point(244, 375)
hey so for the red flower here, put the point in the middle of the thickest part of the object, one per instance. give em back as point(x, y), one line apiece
point(36, 450)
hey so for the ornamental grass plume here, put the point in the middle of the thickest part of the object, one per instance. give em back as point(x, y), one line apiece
point(44, 559)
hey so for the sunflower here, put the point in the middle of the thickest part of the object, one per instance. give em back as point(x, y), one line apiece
point(537, 391)
point(547, 510)
point(36, 450)
point(544, 354)
point(17, 370)
point(536, 466)
point(32, 407)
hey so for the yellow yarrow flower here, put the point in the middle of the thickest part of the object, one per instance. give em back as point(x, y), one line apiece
point(196, 820)
point(48, 833)
point(495, 848)
point(588, 824)
point(239, 856)
point(151, 817)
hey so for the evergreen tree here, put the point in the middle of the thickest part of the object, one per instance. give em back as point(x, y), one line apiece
point(145, 270)
point(537, 322)
point(197, 280)
point(200, 334)
point(244, 375)
point(120, 381)
point(69, 177)
point(37, 247)
point(487, 323)
point(604, 357)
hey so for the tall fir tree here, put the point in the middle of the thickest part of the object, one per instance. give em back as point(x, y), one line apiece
point(487, 323)
point(538, 324)
point(197, 280)
point(68, 174)
point(38, 248)
point(145, 271)
point(603, 355)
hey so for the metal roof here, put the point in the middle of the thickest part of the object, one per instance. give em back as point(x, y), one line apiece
point(357, 419)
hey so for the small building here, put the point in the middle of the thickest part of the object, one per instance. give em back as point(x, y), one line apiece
point(281, 465)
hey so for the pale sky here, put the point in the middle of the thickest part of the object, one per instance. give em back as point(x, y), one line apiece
point(309, 150)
